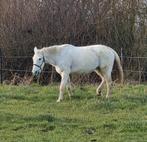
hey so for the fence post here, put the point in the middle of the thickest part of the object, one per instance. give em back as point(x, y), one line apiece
point(1, 70)
point(121, 56)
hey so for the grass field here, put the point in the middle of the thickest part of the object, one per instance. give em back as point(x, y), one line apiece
point(31, 114)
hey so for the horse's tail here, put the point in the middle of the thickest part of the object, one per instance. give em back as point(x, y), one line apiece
point(119, 66)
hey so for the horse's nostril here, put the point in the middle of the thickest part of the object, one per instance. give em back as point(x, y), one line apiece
point(36, 73)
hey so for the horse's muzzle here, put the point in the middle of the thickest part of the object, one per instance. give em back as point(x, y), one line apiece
point(36, 73)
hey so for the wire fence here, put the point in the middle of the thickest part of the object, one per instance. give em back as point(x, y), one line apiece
point(133, 70)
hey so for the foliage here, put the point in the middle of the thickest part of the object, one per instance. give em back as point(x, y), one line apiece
point(25, 24)
point(116, 23)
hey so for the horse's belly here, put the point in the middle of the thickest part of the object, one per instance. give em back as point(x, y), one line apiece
point(84, 61)
point(84, 67)
point(82, 70)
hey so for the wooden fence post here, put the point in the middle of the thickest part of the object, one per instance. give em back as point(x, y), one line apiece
point(121, 56)
point(1, 70)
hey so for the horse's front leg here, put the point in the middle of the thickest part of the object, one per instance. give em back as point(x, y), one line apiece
point(64, 81)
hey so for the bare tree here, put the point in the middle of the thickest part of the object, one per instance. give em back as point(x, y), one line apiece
point(116, 23)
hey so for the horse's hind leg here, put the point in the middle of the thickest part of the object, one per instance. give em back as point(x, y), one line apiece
point(69, 88)
point(98, 90)
point(108, 87)
point(107, 75)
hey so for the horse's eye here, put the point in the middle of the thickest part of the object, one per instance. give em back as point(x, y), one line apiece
point(39, 59)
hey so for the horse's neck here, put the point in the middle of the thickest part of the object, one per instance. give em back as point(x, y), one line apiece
point(50, 55)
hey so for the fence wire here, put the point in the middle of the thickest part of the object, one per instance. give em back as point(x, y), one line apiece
point(9, 72)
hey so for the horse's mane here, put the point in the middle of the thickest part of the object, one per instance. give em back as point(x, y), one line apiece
point(54, 49)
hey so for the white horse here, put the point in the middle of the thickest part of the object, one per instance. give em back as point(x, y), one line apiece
point(68, 59)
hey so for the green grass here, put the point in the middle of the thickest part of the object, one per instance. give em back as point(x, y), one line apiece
point(31, 114)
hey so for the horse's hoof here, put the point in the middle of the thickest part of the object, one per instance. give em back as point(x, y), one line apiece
point(59, 100)
point(99, 93)
point(109, 96)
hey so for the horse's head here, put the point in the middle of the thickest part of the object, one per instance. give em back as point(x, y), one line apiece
point(38, 62)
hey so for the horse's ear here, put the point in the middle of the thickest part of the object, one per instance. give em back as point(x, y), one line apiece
point(35, 49)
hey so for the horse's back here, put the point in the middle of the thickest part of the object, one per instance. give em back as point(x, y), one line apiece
point(85, 58)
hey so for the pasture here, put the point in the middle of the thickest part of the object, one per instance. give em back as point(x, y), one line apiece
point(31, 114)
